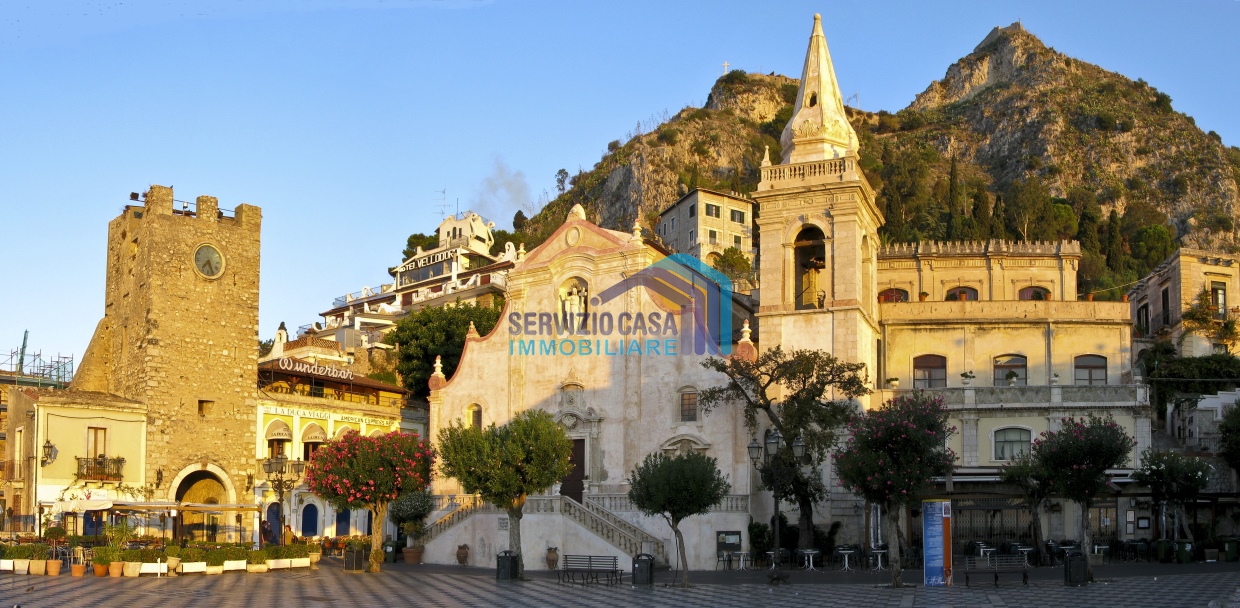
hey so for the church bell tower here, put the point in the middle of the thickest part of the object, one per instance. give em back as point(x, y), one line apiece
point(819, 227)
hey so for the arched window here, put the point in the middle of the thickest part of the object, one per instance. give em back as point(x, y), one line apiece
point(955, 293)
point(310, 520)
point(1034, 293)
point(929, 371)
point(811, 260)
point(893, 295)
point(1005, 365)
point(1091, 369)
point(278, 436)
point(312, 437)
point(473, 416)
point(1012, 443)
point(688, 405)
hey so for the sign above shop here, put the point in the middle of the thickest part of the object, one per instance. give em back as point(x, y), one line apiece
point(301, 367)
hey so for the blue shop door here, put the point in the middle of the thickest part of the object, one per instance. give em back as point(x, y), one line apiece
point(342, 523)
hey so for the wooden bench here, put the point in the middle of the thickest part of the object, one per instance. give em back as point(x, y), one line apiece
point(589, 567)
point(996, 565)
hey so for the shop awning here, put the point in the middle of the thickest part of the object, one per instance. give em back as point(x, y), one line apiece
point(314, 434)
point(279, 430)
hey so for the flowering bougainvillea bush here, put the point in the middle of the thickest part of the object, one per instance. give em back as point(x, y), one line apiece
point(893, 454)
point(360, 472)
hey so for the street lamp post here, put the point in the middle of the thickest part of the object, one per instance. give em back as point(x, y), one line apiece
point(283, 476)
point(766, 460)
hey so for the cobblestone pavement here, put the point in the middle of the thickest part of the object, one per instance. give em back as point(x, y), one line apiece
point(446, 586)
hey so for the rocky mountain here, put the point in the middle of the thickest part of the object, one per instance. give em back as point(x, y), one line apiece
point(1017, 140)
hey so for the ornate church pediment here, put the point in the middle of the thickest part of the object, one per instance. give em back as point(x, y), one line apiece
point(685, 443)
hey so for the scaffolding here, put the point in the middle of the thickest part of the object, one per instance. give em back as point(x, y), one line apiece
point(33, 369)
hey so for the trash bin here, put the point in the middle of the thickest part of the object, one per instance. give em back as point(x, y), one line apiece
point(389, 551)
point(1075, 569)
point(1229, 548)
point(1165, 550)
point(643, 569)
point(1184, 552)
point(507, 566)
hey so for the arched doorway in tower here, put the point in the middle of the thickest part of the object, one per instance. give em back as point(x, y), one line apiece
point(200, 487)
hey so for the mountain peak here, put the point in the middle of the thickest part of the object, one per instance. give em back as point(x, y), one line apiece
point(1006, 55)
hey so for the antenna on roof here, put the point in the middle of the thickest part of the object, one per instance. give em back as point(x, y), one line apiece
point(443, 202)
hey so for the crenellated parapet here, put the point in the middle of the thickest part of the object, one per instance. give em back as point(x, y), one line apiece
point(988, 247)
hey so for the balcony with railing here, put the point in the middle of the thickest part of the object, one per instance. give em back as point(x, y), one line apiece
point(10, 470)
point(322, 392)
point(100, 468)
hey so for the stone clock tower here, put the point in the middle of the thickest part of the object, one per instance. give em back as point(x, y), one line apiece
point(179, 333)
point(819, 227)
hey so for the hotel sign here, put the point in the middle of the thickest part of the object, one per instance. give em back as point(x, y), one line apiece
point(426, 260)
point(301, 367)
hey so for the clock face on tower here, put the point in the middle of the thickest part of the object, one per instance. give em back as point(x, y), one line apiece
point(209, 261)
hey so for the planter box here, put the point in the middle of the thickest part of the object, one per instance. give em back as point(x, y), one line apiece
point(234, 564)
point(257, 568)
point(355, 561)
point(38, 567)
point(279, 564)
point(21, 566)
point(6, 565)
point(299, 562)
point(215, 570)
point(190, 567)
point(156, 568)
point(133, 569)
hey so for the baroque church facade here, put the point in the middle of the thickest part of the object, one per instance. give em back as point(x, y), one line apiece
point(994, 328)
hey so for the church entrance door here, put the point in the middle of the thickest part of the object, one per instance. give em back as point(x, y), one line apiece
point(574, 485)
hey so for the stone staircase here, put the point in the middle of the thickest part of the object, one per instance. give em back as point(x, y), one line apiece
point(462, 506)
point(609, 527)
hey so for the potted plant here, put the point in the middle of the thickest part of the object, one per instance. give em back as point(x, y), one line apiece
point(462, 555)
point(411, 510)
point(553, 557)
point(193, 559)
point(235, 558)
point(278, 558)
point(921, 297)
point(966, 378)
point(356, 554)
point(133, 562)
point(102, 560)
point(20, 554)
point(173, 555)
point(256, 561)
point(316, 553)
point(38, 559)
point(298, 556)
point(1054, 378)
point(1011, 377)
point(215, 561)
point(893, 383)
point(55, 534)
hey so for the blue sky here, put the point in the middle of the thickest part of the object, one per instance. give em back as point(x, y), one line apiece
point(344, 119)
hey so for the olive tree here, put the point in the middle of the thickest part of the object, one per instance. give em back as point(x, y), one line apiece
point(505, 464)
point(676, 487)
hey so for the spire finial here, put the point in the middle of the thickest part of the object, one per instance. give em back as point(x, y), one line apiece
point(766, 156)
point(819, 128)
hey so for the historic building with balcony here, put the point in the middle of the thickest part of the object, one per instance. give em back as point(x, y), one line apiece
point(704, 223)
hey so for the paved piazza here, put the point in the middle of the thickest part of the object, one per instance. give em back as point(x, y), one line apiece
point(1153, 586)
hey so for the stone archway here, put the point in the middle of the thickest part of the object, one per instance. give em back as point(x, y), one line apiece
point(201, 487)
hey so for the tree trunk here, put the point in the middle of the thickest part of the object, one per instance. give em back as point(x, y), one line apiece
point(514, 538)
point(805, 523)
point(379, 511)
point(680, 544)
point(865, 534)
point(1087, 539)
point(894, 558)
point(1185, 531)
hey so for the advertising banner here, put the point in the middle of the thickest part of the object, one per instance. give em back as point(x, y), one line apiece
point(936, 534)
